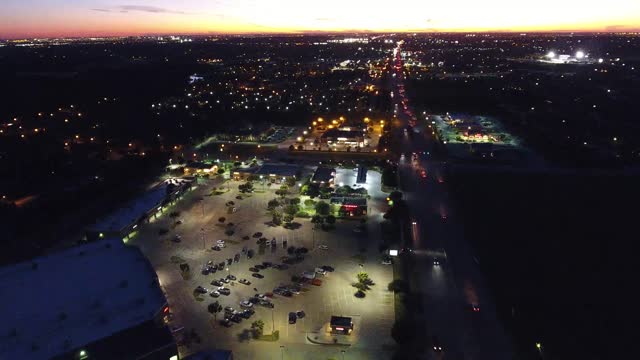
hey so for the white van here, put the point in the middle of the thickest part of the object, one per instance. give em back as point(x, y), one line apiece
point(309, 275)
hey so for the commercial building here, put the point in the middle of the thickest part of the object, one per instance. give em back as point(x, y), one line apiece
point(274, 173)
point(341, 325)
point(124, 221)
point(100, 300)
point(351, 206)
point(344, 137)
point(199, 168)
point(324, 175)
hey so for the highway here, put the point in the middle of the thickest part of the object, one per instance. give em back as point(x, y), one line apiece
point(449, 290)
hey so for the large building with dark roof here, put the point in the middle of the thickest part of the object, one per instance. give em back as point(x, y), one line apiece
point(101, 300)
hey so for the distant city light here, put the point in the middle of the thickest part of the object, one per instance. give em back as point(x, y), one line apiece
point(580, 55)
point(551, 54)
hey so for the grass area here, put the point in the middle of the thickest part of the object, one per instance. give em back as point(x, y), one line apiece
point(275, 336)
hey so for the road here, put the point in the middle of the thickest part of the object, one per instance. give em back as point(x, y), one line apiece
point(448, 290)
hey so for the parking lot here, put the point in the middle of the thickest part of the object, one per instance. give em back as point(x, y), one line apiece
point(199, 231)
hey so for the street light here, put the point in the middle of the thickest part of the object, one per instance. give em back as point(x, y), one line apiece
point(281, 351)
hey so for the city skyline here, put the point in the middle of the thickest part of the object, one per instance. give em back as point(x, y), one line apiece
point(73, 18)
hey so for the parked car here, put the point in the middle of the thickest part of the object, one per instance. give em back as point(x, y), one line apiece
point(246, 304)
point(226, 322)
point(256, 275)
point(216, 283)
point(224, 291)
point(225, 280)
point(214, 293)
point(220, 242)
point(323, 247)
point(216, 248)
point(386, 260)
point(267, 264)
point(231, 277)
point(316, 282)
point(300, 314)
point(321, 271)
point(292, 318)
point(327, 268)
point(177, 238)
point(246, 313)
point(229, 309)
point(236, 318)
point(244, 281)
point(250, 254)
point(201, 290)
point(266, 303)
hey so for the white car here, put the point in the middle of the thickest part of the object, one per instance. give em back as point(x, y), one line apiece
point(246, 304)
point(323, 247)
point(220, 242)
point(386, 261)
point(215, 293)
point(321, 271)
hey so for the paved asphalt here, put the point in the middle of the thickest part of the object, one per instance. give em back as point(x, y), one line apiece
point(449, 289)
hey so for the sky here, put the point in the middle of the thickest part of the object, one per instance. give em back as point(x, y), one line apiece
point(57, 18)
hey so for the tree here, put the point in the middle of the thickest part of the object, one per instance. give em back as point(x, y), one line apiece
point(214, 308)
point(330, 219)
point(344, 190)
point(220, 171)
point(363, 277)
point(317, 219)
point(294, 201)
point(272, 204)
point(281, 192)
point(360, 286)
point(323, 208)
point(291, 181)
point(253, 177)
point(291, 209)
point(309, 203)
point(313, 191)
point(276, 218)
point(288, 218)
point(258, 327)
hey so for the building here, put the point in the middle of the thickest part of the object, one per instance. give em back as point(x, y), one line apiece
point(344, 137)
point(341, 325)
point(100, 300)
point(324, 175)
point(274, 173)
point(124, 221)
point(195, 168)
point(351, 206)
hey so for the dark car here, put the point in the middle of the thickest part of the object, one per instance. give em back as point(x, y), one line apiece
point(200, 290)
point(292, 318)
point(256, 275)
point(229, 261)
point(224, 291)
point(226, 322)
point(257, 235)
point(236, 258)
point(247, 313)
point(260, 267)
point(216, 248)
point(244, 281)
point(221, 266)
point(216, 283)
point(300, 314)
point(327, 268)
point(250, 254)
point(205, 270)
point(236, 318)
point(231, 277)
point(435, 344)
point(254, 300)
point(252, 269)
point(280, 266)
point(212, 269)
point(267, 264)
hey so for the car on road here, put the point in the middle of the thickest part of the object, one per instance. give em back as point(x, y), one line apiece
point(224, 291)
point(246, 313)
point(256, 275)
point(436, 262)
point(292, 318)
point(475, 307)
point(300, 314)
point(244, 281)
point(327, 268)
point(435, 344)
point(323, 247)
point(214, 293)
point(246, 304)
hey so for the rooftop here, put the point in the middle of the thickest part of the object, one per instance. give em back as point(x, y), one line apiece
point(131, 211)
point(323, 174)
point(55, 303)
point(278, 169)
point(335, 133)
point(341, 321)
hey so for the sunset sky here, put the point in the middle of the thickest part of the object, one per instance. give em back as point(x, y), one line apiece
point(49, 18)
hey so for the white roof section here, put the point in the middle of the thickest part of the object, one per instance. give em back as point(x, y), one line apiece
point(131, 211)
point(53, 304)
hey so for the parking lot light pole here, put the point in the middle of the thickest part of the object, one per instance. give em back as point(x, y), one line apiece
point(342, 352)
point(282, 352)
point(203, 240)
point(273, 322)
